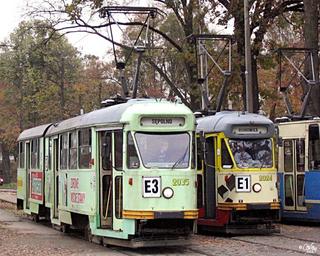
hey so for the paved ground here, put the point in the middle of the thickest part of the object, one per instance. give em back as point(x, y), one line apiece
point(20, 236)
point(8, 195)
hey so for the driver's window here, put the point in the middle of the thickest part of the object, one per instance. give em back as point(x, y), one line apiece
point(225, 156)
point(132, 159)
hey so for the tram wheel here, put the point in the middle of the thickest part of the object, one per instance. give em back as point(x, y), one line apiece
point(35, 217)
point(65, 228)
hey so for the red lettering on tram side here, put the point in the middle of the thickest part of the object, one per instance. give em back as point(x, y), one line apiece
point(78, 197)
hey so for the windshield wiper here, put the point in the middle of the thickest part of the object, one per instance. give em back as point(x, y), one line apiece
point(181, 158)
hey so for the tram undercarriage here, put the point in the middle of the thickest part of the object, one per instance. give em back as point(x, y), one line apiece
point(235, 222)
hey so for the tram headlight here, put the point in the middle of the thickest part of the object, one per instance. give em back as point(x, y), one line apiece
point(167, 192)
point(256, 187)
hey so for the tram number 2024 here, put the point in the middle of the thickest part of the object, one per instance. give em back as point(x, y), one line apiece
point(243, 183)
point(151, 186)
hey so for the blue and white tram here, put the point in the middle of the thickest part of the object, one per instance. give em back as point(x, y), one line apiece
point(299, 170)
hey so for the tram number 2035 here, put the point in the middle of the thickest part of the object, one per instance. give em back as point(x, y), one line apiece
point(151, 186)
point(243, 183)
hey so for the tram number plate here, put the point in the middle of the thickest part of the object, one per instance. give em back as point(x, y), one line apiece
point(151, 186)
point(243, 183)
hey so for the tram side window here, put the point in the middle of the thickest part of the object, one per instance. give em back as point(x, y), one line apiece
point(63, 151)
point(226, 158)
point(132, 157)
point(21, 154)
point(314, 147)
point(118, 141)
point(106, 151)
point(288, 156)
point(84, 148)
point(35, 153)
point(73, 150)
point(300, 154)
point(50, 154)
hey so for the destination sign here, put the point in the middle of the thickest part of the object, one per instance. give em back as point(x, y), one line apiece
point(162, 121)
point(249, 130)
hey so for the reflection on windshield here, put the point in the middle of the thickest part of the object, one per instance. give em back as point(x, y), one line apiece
point(164, 150)
point(252, 153)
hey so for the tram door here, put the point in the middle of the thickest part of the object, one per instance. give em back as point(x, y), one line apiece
point(209, 178)
point(294, 174)
point(55, 152)
point(106, 201)
point(28, 174)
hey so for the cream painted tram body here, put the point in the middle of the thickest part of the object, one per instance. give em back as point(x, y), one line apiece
point(237, 190)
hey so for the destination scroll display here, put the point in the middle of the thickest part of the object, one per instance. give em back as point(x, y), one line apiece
point(162, 121)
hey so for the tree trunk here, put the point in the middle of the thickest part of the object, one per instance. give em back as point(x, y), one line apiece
point(6, 171)
point(311, 35)
point(239, 38)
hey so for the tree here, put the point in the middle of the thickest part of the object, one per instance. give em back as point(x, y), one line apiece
point(37, 78)
point(262, 16)
point(186, 13)
point(311, 35)
point(96, 84)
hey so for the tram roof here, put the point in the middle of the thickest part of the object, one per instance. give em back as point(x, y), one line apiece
point(225, 121)
point(118, 114)
point(34, 132)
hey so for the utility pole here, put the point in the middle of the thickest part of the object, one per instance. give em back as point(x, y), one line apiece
point(248, 73)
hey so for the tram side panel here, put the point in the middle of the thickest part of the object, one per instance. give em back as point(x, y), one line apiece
point(298, 170)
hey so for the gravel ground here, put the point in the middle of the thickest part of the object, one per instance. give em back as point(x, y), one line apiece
point(38, 239)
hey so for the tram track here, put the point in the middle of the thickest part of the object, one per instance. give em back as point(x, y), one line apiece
point(284, 243)
point(300, 243)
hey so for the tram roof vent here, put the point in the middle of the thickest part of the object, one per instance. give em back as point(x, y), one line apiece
point(202, 113)
point(283, 119)
point(117, 99)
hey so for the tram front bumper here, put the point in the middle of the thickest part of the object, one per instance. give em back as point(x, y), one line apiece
point(150, 215)
point(250, 206)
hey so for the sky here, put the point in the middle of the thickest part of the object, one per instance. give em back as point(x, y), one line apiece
point(11, 14)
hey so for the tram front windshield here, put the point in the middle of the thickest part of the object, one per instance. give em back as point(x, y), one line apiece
point(164, 150)
point(252, 153)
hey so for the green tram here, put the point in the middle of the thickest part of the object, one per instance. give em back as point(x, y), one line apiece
point(124, 174)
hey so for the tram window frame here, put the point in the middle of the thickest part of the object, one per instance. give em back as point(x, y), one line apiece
point(226, 156)
point(106, 151)
point(132, 154)
point(64, 148)
point(194, 151)
point(84, 144)
point(300, 154)
point(34, 163)
point(118, 197)
point(118, 150)
point(21, 154)
point(314, 147)
point(50, 153)
point(200, 154)
point(286, 159)
point(73, 150)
